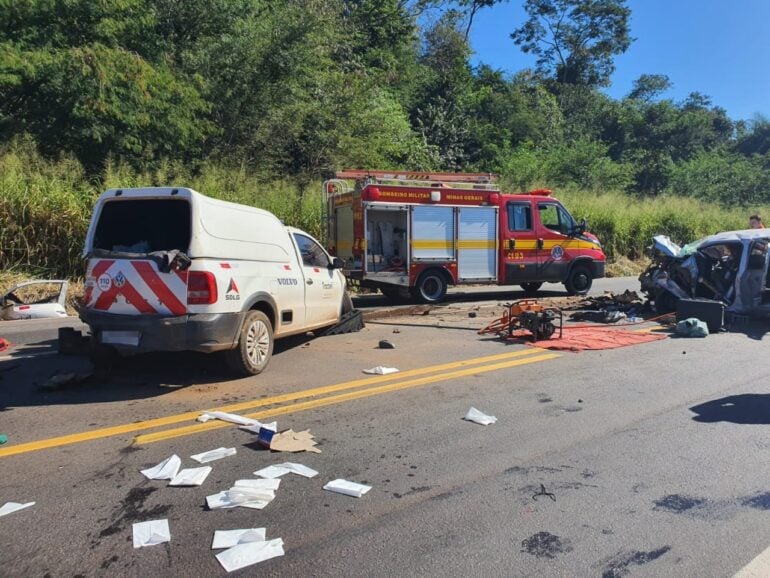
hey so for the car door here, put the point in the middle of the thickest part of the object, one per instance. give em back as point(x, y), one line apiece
point(519, 243)
point(323, 287)
point(554, 245)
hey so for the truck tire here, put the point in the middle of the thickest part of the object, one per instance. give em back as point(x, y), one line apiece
point(255, 346)
point(531, 288)
point(432, 286)
point(579, 280)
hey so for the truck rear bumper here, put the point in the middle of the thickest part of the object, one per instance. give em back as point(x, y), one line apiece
point(206, 332)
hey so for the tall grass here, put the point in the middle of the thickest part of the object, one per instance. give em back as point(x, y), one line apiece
point(45, 207)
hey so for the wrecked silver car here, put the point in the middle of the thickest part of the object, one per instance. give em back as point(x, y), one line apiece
point(731, 267)
point(35, 300)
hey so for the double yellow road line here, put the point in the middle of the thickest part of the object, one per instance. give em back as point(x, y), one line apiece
point(289, 403)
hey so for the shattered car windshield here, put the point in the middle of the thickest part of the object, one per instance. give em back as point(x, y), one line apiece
point(143, 226)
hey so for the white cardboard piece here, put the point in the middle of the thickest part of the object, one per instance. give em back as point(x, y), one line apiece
point(224, 416)
point(380, 370)
point(165, 470)
point(254, 494)
point(250, 553)
point(151, 533)
point(230, 538)
point(191, 477)
point(476, 416)
point(279, 470)
point(11, 507)
point(212, 455)
point(347, 488)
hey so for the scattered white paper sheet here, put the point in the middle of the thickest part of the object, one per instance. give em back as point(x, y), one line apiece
point(272, 426)
point(348, 488)
point(191, 477)
point(279, 470)
point(230, 538)
point(224, 416)
point(250, 553)
point(151, 533)
point(11, 507)
point(165, 470)
point(254, 494)
point(212, 455)
point(476, 416)
point(380, 370)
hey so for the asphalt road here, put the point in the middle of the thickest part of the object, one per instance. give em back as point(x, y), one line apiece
point(647, 460)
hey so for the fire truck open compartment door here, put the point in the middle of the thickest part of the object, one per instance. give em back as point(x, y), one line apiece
point(386, 246)
point(477, 243)
point(433, 233)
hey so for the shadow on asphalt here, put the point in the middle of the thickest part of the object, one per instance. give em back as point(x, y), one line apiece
point(755, 329)
point(745, 408)
point(26, 370)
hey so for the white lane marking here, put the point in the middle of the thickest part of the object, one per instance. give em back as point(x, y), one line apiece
point(759, 567)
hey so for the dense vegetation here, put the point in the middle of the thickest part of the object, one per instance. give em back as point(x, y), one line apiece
point(257, 100)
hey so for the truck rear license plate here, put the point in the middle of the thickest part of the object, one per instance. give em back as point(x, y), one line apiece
point(121, 337)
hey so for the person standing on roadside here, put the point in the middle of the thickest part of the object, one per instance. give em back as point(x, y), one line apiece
point(755, 222)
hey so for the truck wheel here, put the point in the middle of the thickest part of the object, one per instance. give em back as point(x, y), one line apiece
point(255, 346)
point(579, 280)
point(431, 287)
point(531, 288)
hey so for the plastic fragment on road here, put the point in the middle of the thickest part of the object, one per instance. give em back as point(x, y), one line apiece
point(476, 416)
point(191, 477)
point(291, 441)
point(692, 327)
point(3, 439)
point(165, 470)
point(347, 488)
point(230, 538)
point(257, 427)
point(212, 455)
point(254, 494)
point(11, 507)
point(279, 470)
point(250, 553)
point(380, 370)
point(151, 533)
point(224, 416)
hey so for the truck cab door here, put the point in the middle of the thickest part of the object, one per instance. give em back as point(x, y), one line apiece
point(519, 243)
point(554, 243)
point(323, 286)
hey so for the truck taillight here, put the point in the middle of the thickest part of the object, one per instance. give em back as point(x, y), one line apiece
point(201, 288)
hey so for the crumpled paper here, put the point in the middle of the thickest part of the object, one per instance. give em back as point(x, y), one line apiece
point(165, 470)
point(212, 455)
point(380, 370)
point(191, 477)
point(279, 470)
point(249, 553)
point(476, 416)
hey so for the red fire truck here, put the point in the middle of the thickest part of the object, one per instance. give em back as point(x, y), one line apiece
point(414, 234)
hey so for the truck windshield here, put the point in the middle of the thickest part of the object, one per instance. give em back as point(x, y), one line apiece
point(143, 226)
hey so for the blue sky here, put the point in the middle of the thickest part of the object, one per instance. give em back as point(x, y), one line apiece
point(720, 48)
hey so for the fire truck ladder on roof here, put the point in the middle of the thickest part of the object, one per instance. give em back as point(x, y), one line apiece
point(482, 181)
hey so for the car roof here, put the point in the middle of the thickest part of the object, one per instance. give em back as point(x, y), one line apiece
point(736, 236)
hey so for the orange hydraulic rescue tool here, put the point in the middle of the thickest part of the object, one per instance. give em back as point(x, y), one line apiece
point(529, 315)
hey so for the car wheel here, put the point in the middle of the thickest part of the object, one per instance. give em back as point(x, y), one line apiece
point(432, 287)
point(531, 288)
point(347, 303)
point(579, 280)
point(255, 346)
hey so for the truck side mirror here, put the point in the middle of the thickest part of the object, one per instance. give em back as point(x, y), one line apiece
point(580, 228)
point(337, 263)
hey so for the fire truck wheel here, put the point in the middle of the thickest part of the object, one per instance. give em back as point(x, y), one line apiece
point(432, 286)
point(255, 346)
point(531, 288)
point(579, 280)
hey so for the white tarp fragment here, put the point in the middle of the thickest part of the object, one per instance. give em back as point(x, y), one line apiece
point(250, 553)
point(380, 370)
point(254, 494)
point(279, 470)
point(165, 470)
point(151, 533)
point(224, 416)
point(348, 488)
point(191, 477)
point(476, 416)
point(11, 507)
point(272, 426)
point(212, 455)
point(230, 538)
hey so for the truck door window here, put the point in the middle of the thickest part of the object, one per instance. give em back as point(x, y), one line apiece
point(519, 217)
point(554, 217)
point(311, 252)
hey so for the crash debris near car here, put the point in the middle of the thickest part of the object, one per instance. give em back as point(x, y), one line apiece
point(40, 299)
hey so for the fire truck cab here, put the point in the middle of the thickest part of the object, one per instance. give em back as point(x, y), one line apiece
point(415, 234)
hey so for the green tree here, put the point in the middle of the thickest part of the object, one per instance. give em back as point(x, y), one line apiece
point(575, 40)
